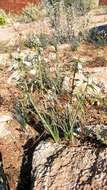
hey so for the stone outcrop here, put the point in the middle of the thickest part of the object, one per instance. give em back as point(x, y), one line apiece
point(69, 168)
point(13, 139)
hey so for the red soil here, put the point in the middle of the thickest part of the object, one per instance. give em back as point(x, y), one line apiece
point(15, 5)
point(103, 2)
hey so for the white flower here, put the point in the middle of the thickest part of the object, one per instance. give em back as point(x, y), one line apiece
point(33, 72)
point(27, 63)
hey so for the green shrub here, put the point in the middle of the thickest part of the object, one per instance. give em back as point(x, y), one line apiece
point(2, 20)
point(30, 13)
point(3, 17)
point(44, 96)
point(32, 40)
point(42, 82)
point(69, 19)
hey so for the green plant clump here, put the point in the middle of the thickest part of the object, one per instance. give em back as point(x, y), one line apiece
point(3, 17)
point(30, 13)
point(32, 40)
point(44, 95)
point(49, 89)
point(2, 20)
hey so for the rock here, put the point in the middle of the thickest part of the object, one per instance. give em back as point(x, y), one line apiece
point(4, 58)
point(12, 141)
point(98, 132)
point(11, 36)
point(80, 85)
point(99, 76)
point(59, 167)
point(99, 34)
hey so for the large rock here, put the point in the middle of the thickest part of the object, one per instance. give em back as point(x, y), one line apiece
point(62, 168)
point(99, 34)
point(99, 76)
point(13, 138)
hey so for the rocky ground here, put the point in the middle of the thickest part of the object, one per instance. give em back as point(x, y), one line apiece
point(73, 168)
point(28, 162)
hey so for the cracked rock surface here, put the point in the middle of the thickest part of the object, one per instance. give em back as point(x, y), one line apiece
point(57, 167)
point(12, 141)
